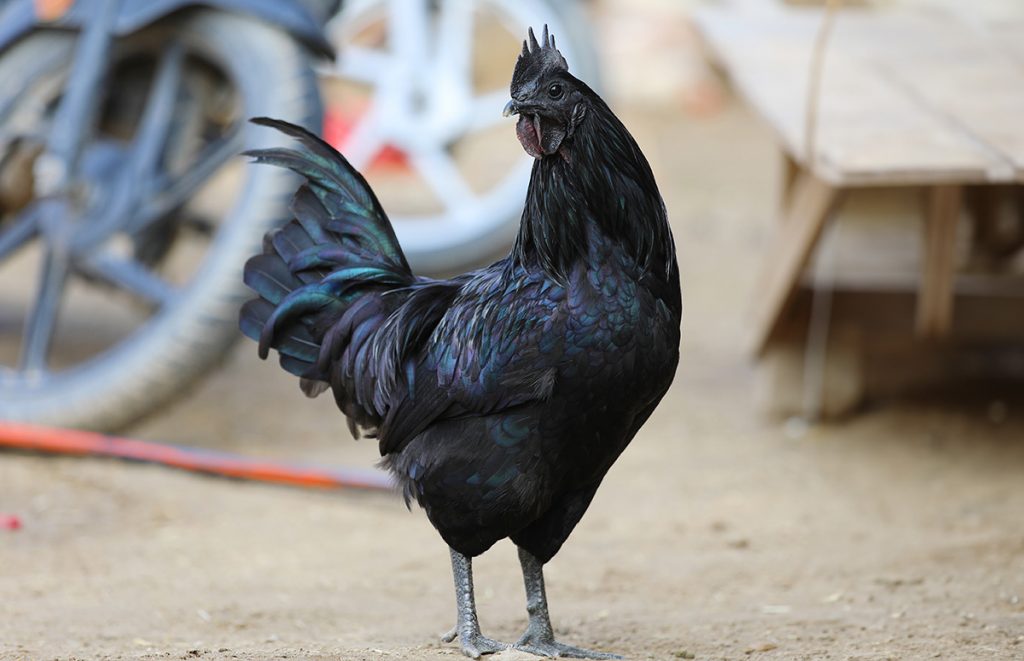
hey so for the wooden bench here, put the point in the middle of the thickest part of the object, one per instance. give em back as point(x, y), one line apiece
point(916, 100)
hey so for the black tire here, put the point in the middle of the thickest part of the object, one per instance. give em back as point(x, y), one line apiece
point(187, 337)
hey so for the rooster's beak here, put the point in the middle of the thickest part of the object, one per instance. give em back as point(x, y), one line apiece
point(510, 109)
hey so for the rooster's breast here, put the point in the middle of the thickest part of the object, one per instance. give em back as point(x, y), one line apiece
point(621, 352)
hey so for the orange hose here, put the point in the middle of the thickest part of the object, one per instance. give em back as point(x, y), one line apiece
point(49, 440)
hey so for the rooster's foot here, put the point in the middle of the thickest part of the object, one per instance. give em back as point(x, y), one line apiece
point(539, 638)
point(548, 646)
point(474, 644)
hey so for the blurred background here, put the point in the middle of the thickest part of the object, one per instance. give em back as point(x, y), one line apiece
point(836, 471)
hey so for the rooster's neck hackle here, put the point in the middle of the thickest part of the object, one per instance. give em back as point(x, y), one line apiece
point(597, 188)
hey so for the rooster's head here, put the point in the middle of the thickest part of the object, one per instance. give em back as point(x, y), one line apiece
point(550, 102)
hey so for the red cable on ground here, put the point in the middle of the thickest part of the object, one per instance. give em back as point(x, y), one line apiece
point(33, 438)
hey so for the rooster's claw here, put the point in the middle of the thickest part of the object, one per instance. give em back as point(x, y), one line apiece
point(552, 648)
point(475, 645)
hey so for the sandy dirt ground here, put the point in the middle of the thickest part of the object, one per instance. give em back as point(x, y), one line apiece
point(895, 535)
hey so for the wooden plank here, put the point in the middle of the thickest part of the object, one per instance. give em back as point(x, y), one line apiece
point(813, 201)
point(935, 294)
point(1010, 288)
point(1003, 34)
point(871, 129)
point(952, 68)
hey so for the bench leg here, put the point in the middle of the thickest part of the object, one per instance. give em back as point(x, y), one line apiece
point(788, 175)
point(811, 202)
point(935, 294)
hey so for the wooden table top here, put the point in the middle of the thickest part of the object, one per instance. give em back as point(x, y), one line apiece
point(907, 96)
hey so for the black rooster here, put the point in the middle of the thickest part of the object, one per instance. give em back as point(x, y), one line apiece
point(501, 397)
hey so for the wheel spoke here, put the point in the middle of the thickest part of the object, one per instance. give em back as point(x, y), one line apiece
point(131, 277)
point(82, 94)
point(363, 65)
point(449, 89)
point(454, 47)
point(363, 143)
point(157, 116)
point(485, 111)
point(41, 321)
point(438, 169)
point(178, 191)
point(129, 191)
point(19, 232)
point(409, 25)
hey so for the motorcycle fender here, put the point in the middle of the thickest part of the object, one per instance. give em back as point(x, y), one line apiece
point(19, 17)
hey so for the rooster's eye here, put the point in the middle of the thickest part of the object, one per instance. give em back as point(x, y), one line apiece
point(555, 91)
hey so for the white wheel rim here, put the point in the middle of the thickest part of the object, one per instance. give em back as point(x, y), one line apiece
point(453, 110)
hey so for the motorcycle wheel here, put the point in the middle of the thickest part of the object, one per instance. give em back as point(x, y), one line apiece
point(168, 313)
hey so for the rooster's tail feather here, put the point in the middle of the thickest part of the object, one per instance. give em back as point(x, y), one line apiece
point(339, 247)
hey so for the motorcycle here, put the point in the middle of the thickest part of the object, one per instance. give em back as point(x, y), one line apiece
point(123, 192)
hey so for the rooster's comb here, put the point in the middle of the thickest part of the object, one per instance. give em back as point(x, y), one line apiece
point(537, 58)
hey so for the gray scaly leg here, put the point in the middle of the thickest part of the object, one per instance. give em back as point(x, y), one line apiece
point(473, 642)
point(539, 637)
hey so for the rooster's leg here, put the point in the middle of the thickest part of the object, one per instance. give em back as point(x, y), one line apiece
point(539, 637)
point(473, 642)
